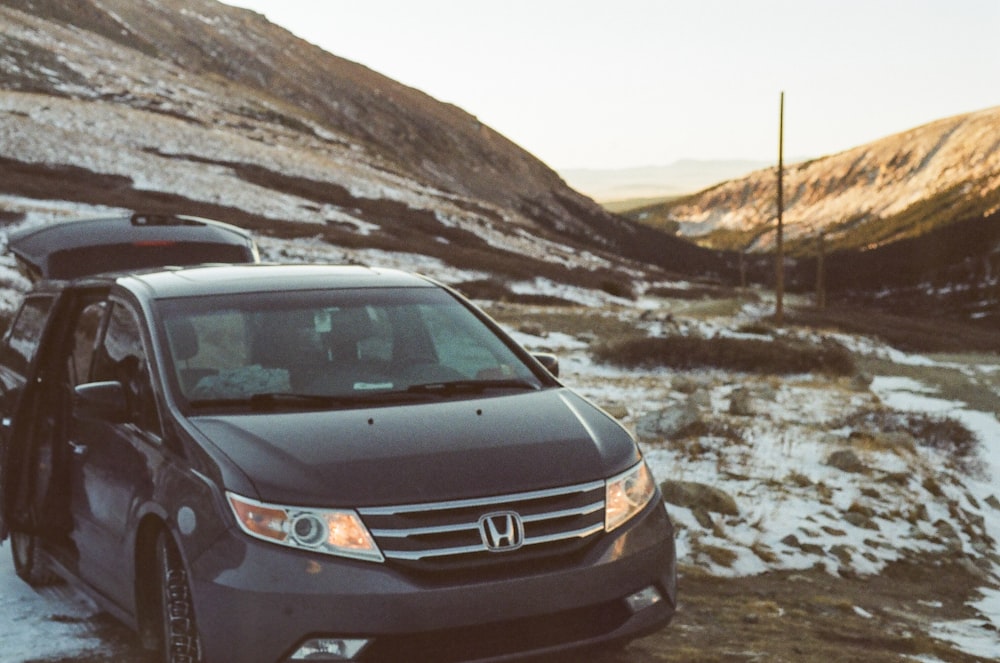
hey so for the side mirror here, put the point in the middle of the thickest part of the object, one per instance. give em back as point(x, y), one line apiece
point(101, 400)
point(549, 361)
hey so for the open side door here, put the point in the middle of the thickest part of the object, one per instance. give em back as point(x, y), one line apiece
point(35, 356)
point(18, 364)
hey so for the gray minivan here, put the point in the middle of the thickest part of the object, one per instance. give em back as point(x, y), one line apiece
point(307, 462)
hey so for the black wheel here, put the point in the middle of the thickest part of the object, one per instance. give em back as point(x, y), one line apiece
point(28, 564)
point(178, 632)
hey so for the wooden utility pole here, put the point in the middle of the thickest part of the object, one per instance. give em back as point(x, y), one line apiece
point(743, 269)
point(779, 248)
point(820, 276)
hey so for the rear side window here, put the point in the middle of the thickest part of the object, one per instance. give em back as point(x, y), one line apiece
point(85, 341)
point(121, 357)
point(25, 333)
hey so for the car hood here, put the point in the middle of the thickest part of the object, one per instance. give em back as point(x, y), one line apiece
point(422, 452)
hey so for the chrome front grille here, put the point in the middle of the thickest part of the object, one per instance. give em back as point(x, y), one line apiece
point(456, 534)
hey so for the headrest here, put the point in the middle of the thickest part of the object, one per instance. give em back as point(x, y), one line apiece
point(351, 324)
point(183, 339)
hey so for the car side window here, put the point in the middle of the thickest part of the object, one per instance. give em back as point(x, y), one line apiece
point(26, 333)
point(88, 325)
point(122, 358)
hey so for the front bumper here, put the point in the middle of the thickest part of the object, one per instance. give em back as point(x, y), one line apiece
point(258, 602)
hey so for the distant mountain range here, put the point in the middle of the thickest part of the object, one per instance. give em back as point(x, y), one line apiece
point(676, 179)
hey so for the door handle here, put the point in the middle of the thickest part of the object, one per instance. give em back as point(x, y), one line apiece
point(78, 448)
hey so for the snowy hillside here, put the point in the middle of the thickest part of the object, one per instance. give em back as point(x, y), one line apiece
point(104, 105)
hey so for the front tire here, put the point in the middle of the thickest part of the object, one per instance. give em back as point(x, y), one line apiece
point(179, 641)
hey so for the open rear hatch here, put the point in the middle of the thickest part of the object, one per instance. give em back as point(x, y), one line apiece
point(71, 249)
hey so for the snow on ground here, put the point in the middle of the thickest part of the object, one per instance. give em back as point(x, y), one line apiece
point(38, 625)
point(976, 636)
point(796, 510)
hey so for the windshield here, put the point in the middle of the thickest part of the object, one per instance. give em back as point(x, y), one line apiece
point(334, 347)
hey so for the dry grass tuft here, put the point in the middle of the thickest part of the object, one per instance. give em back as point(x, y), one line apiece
point(945, 434)
point(776, 356)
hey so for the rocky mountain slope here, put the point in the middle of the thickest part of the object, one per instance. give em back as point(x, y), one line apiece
point(898, 187)
point(195, 106)
point(908, 223)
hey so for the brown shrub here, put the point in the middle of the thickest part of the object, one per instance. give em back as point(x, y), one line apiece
point(909, 333)
point(697, 291)
point(938, 432)
point(496, 290)
point(776, 356)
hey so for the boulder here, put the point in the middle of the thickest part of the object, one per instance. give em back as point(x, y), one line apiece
point(702, 516)
point(667, 422)
point(861, 382)
point(533, 329)
point(617, 411)
point(686, 384)
point(846, 460)
point(895, 441)
point(860, 520)
point(951, 539)
point(697, 496)
point(843, 552)
point(741, 402)
point(700, 398)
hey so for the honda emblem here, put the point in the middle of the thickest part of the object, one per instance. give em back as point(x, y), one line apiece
point(502, 531)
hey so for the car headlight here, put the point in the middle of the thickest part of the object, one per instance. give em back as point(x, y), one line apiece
point(626, 495)
point(330, 531)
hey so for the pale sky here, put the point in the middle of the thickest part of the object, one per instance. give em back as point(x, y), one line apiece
point(623, 83)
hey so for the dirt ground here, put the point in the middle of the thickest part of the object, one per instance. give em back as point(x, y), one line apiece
point(792, 616)
point(811, 616)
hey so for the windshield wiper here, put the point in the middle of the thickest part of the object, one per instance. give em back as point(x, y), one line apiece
point(470, 386)
point(218, 402)
point(271, 400)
